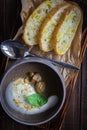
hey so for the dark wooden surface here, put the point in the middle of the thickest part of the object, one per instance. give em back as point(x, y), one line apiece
point(76, 117)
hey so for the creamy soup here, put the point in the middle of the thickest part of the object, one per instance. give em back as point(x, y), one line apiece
point(15, 92)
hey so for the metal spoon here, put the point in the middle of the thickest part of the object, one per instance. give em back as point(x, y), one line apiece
point(15, 50)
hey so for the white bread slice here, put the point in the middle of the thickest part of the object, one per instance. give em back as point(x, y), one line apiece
point(65, 31)
point(48, 26)
point(35, 20)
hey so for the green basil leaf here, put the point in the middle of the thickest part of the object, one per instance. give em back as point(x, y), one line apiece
point(36, 99)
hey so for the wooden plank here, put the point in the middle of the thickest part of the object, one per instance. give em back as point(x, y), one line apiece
point(2, 16)
point(18, 126)
point(84, 95)
point(11, 19)
point(9, 23)
point(72, 119)
point(6, 123)
point(8, 27)
point(1, 20)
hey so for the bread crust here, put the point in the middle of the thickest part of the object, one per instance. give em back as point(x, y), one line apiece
point(47, 20)
point(34, 37)
point(56, 31)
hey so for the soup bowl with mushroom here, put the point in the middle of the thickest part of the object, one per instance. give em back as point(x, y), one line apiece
point(32, 91)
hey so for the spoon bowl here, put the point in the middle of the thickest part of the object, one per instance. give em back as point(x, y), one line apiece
point(13, 49)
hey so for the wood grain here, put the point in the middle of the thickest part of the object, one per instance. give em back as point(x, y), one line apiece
point(84, 94)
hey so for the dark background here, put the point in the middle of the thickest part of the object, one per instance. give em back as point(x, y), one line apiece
point(76, 117)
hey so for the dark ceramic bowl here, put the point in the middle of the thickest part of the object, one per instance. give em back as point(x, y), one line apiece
point(55, 82)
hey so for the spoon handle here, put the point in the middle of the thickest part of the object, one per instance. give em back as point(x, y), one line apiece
point(65, 65)
point(58, 63)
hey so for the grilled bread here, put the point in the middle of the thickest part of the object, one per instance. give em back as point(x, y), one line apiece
point(48, 26)
point(66, 29)
point(35, 20)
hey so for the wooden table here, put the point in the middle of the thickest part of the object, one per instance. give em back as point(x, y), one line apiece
point(76, 117)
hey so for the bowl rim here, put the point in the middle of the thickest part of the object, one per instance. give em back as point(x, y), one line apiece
point(28, 60)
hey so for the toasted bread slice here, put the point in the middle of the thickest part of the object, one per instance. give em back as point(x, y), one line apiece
point(48, 26)
point(35, 20)
point(65, 31)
